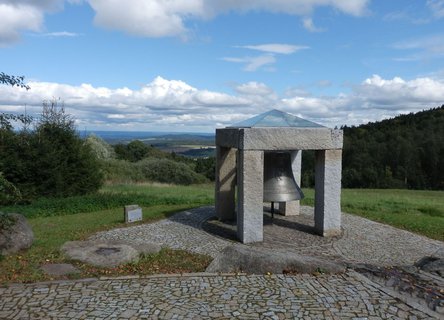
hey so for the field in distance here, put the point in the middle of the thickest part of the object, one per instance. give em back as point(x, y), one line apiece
point(194, 145)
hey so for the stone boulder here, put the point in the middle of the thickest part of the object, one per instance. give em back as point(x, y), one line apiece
point(109, 253)
point(433, 265)
point(16, 237)
point(257, 260)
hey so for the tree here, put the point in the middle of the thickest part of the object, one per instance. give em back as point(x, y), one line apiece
point(9, 193)
point(51, 160)
point(13, 80)
point(64, 164)
point(100, 148)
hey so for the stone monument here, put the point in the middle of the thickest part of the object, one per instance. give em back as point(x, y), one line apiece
point(240, 161)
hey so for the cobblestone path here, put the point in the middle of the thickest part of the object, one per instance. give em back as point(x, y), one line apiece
point(363, 241)
point(344, 296)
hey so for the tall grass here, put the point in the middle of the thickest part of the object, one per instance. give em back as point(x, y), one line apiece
point(115, 196)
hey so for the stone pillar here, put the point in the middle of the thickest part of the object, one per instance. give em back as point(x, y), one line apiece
point(328, 192)
point(225, 183)
point(292, 208)
point(250, 186)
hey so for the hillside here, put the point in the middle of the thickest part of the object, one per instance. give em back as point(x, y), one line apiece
point(403, 152)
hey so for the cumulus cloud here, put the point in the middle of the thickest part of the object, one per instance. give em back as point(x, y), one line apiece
point(159, 18)
point(155, 18)
point(174, 105)
point(23, 15)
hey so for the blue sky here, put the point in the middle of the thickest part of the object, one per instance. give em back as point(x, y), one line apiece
point(194, 65)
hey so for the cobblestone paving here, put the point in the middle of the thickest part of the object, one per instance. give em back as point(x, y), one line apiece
point(363, 241)
point(181, 231)
point(345, 296)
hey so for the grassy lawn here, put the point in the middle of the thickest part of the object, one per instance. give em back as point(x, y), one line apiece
point(421, 212)
point(56, 221)
point(74, 221)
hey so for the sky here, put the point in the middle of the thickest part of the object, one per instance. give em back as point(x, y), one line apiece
point(197, 65)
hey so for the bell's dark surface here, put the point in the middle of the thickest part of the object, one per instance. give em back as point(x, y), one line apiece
point(279, 182)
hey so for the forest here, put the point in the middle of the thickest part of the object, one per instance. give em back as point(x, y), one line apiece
point(405, 152)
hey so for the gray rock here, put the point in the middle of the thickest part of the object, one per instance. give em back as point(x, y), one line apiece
point(59, 269)
point(100, 253)
point(259, 260)
point(141, 247)
point(17, 237)
point(432, 265)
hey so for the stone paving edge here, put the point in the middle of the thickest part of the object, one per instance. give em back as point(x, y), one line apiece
point(407, 300)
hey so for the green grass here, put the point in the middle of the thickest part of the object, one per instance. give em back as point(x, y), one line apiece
point(418, 211)
point(55, 221)
point(114, 196)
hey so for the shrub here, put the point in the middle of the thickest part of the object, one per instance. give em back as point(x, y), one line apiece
point(207, 167)
point(168, 171)
point(6, 221)
point(9, 194)
point(100, 148)
point(115, 170)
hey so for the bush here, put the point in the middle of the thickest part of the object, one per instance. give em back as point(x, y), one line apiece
point(168, 171)
point(115, 170)
point(9, 194)
point(207, 167)
point(6, 221)
point(100, 148)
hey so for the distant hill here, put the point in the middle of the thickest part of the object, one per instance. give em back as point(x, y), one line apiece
point(114, 137)
point(403, 152)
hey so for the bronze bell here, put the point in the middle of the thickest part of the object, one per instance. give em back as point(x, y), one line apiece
point(279, 182)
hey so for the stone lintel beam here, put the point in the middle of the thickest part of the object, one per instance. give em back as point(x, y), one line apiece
point(250, 186)
point(280, 138)
point(328, 192)
point(228, 137)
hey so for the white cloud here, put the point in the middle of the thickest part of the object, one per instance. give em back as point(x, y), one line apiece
point(159, 18)
point(258, 62)
point(309, 25)
point(437, 7)
point(253, 63)
point(23, 15)
point(398, 92)
point(15, 19)
point(152, 18)
point(174, 105)
point(428, 47)
point(155, 18)
point(254, 88)
point(59, 34)
point(280, 48)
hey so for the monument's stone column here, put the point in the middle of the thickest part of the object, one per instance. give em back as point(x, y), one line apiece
point(328, 169)
point(225, 183)
point(276, 131)
point(292, 208)
point(250, 186)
